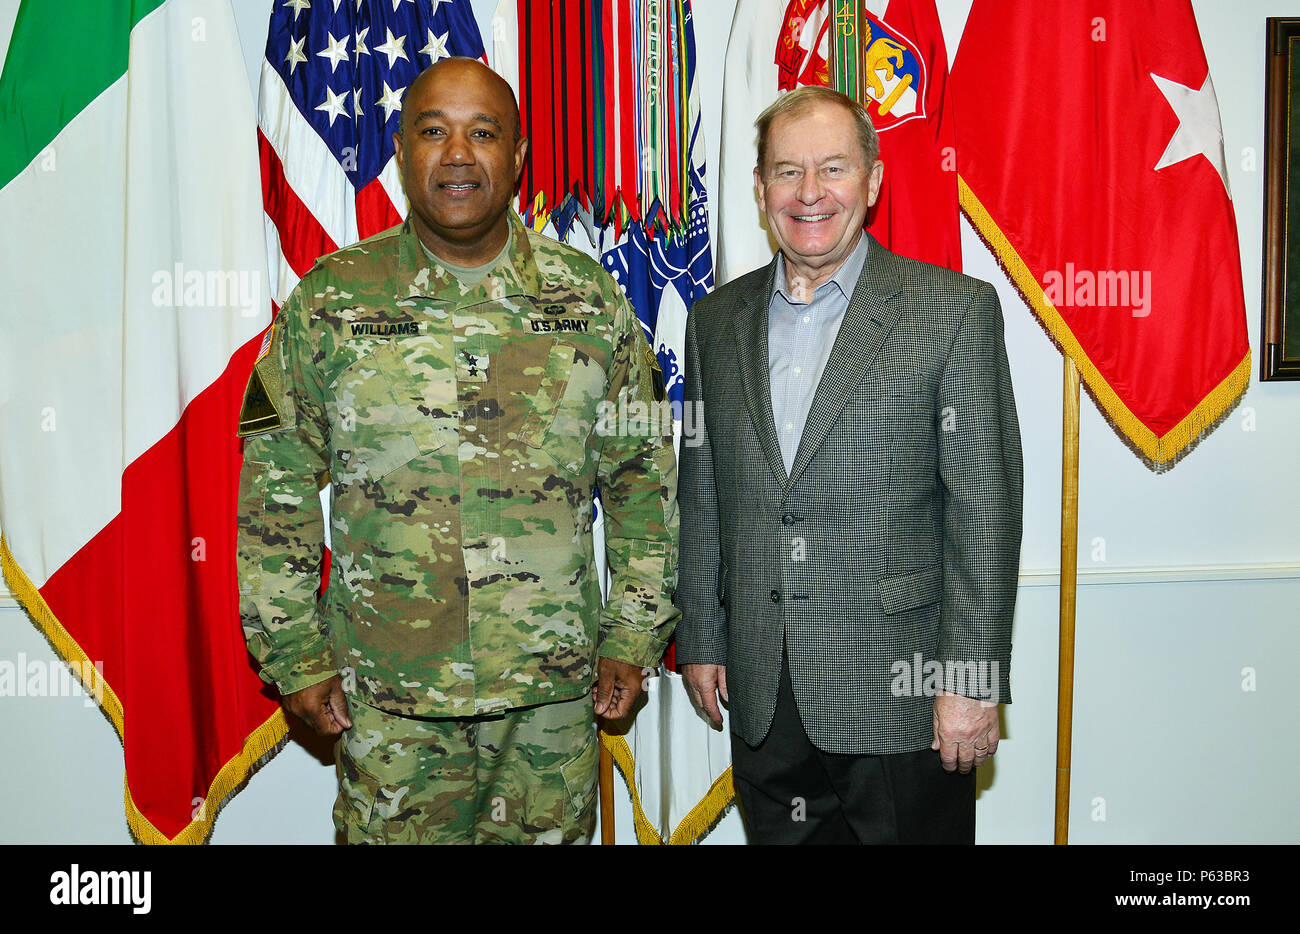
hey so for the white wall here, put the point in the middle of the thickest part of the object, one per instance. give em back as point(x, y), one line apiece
point(1201, 579)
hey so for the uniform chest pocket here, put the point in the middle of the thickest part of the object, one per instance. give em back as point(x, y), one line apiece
point(388, 411)
point(560, 395)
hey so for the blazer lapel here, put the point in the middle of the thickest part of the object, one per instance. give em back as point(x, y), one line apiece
point(751, 343)
point(867, 322)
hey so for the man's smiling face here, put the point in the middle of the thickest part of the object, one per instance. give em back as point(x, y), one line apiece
point(460, 159)
point(816, 187)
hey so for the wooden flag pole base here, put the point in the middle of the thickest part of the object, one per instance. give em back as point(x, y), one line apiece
point(1069, 579)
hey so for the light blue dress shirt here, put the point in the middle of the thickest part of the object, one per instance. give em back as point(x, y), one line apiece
point(799, 340)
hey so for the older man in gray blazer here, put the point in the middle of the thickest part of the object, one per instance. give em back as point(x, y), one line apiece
point(850, 509)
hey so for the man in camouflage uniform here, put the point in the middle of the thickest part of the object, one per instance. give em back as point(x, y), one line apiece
point(451, 375)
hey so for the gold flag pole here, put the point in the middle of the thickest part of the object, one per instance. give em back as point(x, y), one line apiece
point(1069, 581)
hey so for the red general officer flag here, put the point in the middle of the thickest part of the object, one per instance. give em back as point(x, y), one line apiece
point(1091, 161)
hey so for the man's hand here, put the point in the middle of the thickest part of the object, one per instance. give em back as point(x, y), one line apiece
point(703, 685)
point(965, 731)
point(322, 705)
point(618, 685)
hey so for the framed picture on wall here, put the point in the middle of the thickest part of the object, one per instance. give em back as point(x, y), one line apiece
point(1280, 340)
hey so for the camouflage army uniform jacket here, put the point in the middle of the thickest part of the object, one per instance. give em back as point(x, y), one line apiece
point(458, 427)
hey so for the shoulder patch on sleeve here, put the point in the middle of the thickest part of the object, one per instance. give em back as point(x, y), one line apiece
point(265, 407)
point(656, 375)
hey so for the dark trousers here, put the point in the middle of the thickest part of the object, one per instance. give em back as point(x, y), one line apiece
point(792, 792)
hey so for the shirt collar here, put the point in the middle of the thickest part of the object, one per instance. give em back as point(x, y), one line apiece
point(515, 274)
point(845, 278)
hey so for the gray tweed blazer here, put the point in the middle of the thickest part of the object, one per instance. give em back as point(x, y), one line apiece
point(886, 562)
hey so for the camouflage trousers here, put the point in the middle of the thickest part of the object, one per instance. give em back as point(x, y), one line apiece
point(527, 775)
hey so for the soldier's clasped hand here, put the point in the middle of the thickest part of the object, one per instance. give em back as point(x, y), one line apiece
point(323, 707)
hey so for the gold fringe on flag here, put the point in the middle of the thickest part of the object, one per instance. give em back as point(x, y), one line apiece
point(697, 822)
point(260, 745)
point(707, 812)
point(1159, 452)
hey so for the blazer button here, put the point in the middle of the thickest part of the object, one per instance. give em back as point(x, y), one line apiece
point(788, 519)
point(776, 596)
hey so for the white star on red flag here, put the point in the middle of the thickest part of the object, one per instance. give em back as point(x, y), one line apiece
point(1199, 132)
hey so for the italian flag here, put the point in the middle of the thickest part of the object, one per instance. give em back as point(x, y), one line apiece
point(134, 265)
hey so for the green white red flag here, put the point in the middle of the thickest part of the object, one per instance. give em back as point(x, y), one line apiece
point(135, 270)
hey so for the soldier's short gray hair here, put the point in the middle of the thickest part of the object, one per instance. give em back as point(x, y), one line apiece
point(800, 101)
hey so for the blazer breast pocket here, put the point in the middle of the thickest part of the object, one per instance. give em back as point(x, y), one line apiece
point(880, 383)
point(896, 407)
point(891, 406)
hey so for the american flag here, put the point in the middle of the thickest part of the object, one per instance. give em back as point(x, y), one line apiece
point(332, 84)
